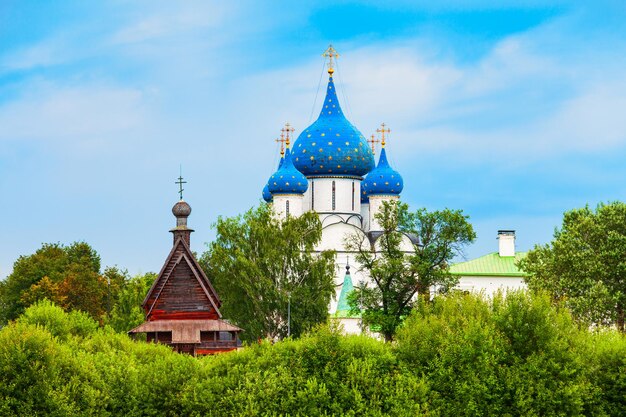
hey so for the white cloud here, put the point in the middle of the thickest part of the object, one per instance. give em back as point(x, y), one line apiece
point(171, 19)
point(46, 53)
point(74, 117)
point(593, 121)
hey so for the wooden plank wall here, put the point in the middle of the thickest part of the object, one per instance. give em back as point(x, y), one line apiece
point(182, 296)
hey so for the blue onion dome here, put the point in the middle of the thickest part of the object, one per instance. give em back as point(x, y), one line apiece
point(365, 199)
point(287, 180)
point(332, 146)
point(383, 180)
point(267, 196)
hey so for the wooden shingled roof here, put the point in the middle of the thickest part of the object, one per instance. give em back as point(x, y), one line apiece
point(181, 257)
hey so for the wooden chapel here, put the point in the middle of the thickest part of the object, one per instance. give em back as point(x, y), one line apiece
point(182, 307)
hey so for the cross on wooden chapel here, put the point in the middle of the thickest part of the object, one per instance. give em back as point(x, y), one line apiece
point(180, 183)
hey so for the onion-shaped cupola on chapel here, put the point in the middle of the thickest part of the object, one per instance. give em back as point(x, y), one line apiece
point(332, 146)
point(287, 180)
point(383, 180)
point(267, 196)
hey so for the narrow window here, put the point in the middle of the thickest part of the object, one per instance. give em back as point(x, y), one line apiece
point(312, 195)
point(287, 207)
point(352, 195)
point(333, 195)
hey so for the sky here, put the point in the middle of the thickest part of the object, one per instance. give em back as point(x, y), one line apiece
point(513, 111)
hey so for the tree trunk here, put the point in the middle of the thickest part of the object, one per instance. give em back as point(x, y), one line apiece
point(388, 337)
point(620, 318)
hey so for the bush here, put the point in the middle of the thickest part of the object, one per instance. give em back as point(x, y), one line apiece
point(609, 371)
point(460, 355)
point(513, 355)
point(59, 323)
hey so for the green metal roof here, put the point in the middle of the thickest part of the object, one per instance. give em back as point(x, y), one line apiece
point(490, 265)
point(343, 308)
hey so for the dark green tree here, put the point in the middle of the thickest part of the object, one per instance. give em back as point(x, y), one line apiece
point(261, 265)
point(408, 259)
point(67, 275)
point(585, 264)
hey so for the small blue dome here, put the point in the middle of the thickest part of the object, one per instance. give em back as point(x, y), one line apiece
point(383, 180)
point(332, 146)
point(267, 196)
point(364, 197)
point(287, 180)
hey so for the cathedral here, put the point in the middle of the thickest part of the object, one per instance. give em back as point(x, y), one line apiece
point(331, 169)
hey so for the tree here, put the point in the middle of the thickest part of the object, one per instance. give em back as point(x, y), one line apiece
point(263, 267)
point(585, 264)
point(127, 312)
point(512, 354)
point(397, 275)
point(67, 275)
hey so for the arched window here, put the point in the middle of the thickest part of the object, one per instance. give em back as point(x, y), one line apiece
point(287, 207)
point(333, 195)
point(312, 195)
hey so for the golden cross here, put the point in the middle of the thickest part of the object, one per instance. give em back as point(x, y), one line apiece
point(373, 141)
point(282, 144)
point(287, 131)
point(383, 131)
point(331, 54)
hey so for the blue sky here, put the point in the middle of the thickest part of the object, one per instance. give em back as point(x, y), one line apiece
point(513, 113)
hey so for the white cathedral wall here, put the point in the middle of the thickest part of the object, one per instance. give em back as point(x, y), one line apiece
point(365, 215)
point(376, 202)
point(319, 195)
point(349, 325)
point(405, 245)
point(287, 202)
point(334, 235)
point(335, 230)
point(333, 238)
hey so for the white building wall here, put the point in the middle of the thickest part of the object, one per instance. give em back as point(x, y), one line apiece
point(490, 284)
point(376, 202)
point(365, 215)
point(349, 325)
point(284, 203)
point(319, 195)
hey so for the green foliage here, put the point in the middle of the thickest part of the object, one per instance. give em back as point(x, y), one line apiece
point(257, 263)
point(127, 312)
point(585, 264)
point(514, 355)
point(105, 373)
point(60, 324)
point(609, 371)
point(67, 275)
point(401, 267)
point(460, 355)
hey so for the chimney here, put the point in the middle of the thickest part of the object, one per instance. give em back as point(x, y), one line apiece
point(506, 242)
